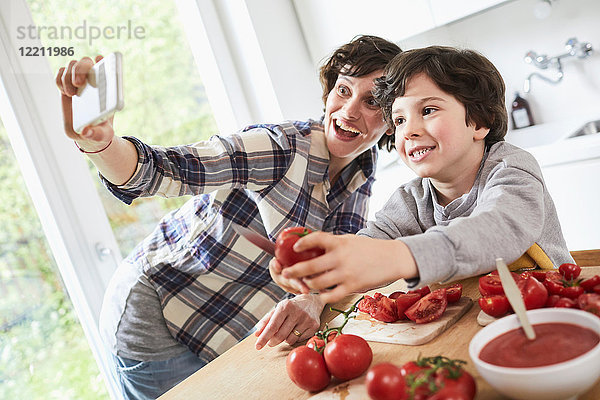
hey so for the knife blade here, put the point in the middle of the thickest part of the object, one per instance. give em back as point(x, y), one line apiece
point(255, 238)
point(513, 294)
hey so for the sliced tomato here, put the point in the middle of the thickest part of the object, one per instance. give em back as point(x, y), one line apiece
point(384, 310)
point(539, 275)
point(454, 292)
point(425, 290)
point(590, 302)
point(396, 294)
point(496, 305)
point(428, 308)
point(588, 284)
point(404, 302)
point(534, 293)
point(569, 271)
point(490, 285)
point(366, 304)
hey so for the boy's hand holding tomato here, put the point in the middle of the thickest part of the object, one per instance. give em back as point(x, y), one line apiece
point(286, 256)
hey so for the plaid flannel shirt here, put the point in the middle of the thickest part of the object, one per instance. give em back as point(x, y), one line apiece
point(214, 285)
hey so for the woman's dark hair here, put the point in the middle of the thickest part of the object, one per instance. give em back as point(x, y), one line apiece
point(465, 74)
point(361, 56)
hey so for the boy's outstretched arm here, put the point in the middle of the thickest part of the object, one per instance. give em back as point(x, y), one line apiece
point(351, 263)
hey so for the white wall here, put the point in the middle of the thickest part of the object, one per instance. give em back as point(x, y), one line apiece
point(505, 33)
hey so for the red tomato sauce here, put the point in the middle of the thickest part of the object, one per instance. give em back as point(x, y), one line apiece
point(554, 343)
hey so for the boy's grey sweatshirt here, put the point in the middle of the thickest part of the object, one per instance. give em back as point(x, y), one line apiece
point(507, 210)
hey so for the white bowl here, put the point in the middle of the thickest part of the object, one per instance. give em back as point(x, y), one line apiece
point(564, 380)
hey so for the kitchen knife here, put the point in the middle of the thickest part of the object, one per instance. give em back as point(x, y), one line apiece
point(513, 294)
point(255, 238)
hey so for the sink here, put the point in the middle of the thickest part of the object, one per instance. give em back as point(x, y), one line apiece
point(589, 128)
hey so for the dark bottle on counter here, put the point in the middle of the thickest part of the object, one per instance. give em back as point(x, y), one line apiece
point(520, 113)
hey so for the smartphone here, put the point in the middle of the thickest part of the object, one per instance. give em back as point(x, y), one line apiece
point(102, 95)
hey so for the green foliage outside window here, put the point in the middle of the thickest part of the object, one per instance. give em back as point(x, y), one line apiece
point(43, 352)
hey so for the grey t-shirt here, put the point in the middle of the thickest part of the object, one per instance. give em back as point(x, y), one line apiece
point(507, 210)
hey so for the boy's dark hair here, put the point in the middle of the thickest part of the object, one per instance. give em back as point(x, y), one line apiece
point(465, 74)
point(361, 56)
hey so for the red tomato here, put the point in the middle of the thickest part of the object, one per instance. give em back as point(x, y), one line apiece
point(565, 302)
point(539, 275)
point(454, 292)
point(490, 285)
point(396, 294)
point(464, 383)
point(589, 284)
point(534, 293)
point(284, 252)
point(403, 303)
point(422, 291)
point(596, 289)
point(412, 370)
point(307, 369)
point(384, 310)
point(569, 271)
point(572, 292)
point(428, 308)
point(366, 304)
point(385, 382)
point(552, 300)
point(348, 356)
point(496, 305)
point(590, 302)
point(553, 286)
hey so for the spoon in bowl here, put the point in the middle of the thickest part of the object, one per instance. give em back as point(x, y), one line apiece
point(513, 294)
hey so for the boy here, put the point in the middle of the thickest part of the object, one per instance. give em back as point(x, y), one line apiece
point(477, 197)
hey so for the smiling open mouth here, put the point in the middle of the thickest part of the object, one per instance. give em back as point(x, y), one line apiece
point(346, 131)
point(418, 153)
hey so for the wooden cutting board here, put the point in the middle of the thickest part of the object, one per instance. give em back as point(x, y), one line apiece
point(403, 332)
point(350, 390)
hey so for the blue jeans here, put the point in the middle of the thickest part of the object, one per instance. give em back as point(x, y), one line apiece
point(144, 380)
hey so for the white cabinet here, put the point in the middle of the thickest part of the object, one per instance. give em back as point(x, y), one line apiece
point(445, 11)
point(575, 190)
point(329, 23)
point(326, 24)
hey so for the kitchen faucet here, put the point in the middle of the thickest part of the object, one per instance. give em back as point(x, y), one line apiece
point(574, 49)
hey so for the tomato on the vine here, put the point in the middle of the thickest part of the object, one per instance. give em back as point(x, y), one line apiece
point(307, 369)
point(318, 343)
point(450, 382)
point(572, 292)
point(589, 284)
point(428, 308)
point(385, 382)
point(569, 271)
point(348, 356)
point(284, 247)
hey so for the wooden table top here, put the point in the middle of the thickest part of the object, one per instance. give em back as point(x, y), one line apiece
point(246, 373)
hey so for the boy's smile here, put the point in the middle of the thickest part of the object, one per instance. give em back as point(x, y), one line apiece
point(434, 139)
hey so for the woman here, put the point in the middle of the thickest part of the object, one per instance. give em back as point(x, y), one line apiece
point(193, 288)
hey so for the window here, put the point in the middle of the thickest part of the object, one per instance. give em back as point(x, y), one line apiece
point(165, 100)
point(43, 351)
